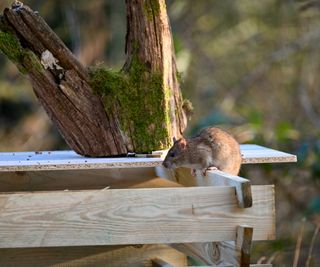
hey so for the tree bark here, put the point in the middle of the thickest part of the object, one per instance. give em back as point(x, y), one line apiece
point(63, 91)
point(149, 41)
point(99, 112)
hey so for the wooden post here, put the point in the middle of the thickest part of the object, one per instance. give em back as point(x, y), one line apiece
point(243, 244)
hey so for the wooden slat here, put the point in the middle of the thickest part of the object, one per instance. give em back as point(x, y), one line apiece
point(126, 216)
point(68, 160)
point(74, 179)
point(97, 256)
point(212, 178)
point(242, 185)
point(243, 244)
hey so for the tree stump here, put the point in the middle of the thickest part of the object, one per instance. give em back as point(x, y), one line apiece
point(100, 112)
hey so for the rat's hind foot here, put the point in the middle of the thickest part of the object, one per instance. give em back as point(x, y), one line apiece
point(194, 172)
point(204, 171)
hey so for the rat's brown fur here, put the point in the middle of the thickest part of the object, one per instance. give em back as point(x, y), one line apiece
point(213, 147)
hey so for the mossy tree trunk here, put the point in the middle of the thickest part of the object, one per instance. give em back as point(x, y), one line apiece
point(149, 43)
point(100, 112)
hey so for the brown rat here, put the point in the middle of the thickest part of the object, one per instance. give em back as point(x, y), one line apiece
point(211, 148)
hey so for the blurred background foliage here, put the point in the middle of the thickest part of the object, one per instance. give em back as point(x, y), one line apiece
point(249, 66)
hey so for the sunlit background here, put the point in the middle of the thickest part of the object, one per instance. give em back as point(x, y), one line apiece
point(251, 66)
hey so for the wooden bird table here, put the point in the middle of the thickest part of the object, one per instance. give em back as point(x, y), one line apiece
point(59, 208)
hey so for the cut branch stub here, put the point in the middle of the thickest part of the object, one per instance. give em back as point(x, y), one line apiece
point(63, 91)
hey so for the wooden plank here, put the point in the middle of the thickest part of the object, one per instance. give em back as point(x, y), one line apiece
point(212, 178)
point(127, 216)
point(98, 256)
point(74, 179)
point(242, 185)
point(68, 160)
point(243, 244)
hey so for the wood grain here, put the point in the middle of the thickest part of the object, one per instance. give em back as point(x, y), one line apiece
point(126, 216)
point(98, 256)
point(69, 160)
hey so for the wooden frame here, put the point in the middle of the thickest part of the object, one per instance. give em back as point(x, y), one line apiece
point(215, 209)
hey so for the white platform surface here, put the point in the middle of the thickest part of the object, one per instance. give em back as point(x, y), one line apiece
point(68, 160)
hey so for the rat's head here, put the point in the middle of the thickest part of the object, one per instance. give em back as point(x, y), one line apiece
point(176, 155)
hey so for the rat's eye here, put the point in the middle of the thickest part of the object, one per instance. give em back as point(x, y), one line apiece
point(171, 154)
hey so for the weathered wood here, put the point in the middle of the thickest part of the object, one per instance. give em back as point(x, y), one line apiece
point(69, 160)
point(99, 256)
point(61, 87)
point(243, 244)
point(109, 217)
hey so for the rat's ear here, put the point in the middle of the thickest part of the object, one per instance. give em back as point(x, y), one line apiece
point(174, 139)
point(183, 143)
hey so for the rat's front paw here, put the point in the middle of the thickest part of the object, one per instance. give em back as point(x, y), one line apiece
point(194, 172)
point(204, 171)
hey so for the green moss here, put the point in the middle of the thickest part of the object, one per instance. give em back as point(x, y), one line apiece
point(10, 46)
point(32, 62)
point(24, 58)
point(151, 8)
point(103, 80)
point(141, 102)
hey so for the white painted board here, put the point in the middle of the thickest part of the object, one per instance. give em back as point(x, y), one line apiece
point(68, 160)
